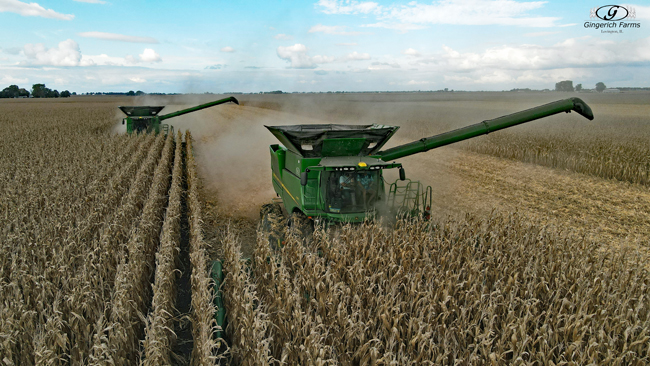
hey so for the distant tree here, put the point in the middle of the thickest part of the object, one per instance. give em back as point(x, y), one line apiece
point(139, 92)
point(74, 93)
point(65, 94)
point(566, 85)
point(578, 87)
point(600, 86)
point(130, 93)
point(40, 91)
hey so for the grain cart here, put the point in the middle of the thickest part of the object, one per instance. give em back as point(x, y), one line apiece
point(143, 119)
point(335, 172)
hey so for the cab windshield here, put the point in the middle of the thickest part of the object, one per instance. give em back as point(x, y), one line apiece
point(352, 191)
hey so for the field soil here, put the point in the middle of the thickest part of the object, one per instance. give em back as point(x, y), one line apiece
point(232, 151)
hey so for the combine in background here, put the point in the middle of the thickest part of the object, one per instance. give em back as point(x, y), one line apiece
point(145, 119)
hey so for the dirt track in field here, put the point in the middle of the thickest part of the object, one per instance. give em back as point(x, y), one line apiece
point(232, 151)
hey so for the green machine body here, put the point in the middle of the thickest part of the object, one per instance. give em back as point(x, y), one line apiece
point(336, 172)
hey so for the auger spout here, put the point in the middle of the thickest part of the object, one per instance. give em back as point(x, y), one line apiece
point(485, 127)
point(197, 108)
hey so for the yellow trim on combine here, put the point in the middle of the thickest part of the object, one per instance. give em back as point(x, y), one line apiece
point(285, 188)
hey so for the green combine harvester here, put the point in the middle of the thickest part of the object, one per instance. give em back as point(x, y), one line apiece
point(145, 119)
point(335, 173)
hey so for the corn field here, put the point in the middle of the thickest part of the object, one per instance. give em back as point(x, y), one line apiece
point(90, 241)
point(494, 291)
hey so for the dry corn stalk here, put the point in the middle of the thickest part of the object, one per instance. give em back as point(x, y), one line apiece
point(159, 334)
point(203, 308)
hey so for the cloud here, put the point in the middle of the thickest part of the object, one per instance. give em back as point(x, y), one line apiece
point(118, 37)
point(333, 29)
point(383, 66)
point(12, 50)
point(355, 56)
point(642, 12)
point(91, 1)
point(253, 67)
point(348, 7)
point(297, 56)
point(31, 10)
point(573, 52)
point(418, 82)
point(149, 55)
point(411, 52)
point(215, 67)
point(284, 37)
point(227, 49)
point(137, 79)
point(66, 54)
point(321, 72)
point(9, 80)
point(299, 59)
point(415, 15)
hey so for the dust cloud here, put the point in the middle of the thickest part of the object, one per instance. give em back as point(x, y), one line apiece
point(232, 152)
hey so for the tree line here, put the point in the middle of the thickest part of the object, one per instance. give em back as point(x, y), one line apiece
point(567, 85)
point(38, 91)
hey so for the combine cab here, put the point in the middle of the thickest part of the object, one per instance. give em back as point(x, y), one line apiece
point(145, 119)
point(335, 173)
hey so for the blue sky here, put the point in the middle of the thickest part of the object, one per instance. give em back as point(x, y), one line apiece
point(321, 45)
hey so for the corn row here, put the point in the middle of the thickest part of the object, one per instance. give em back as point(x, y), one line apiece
point(159, 335)
point(249, 324)
point(492, 291)
point(132, 287)
point(203, 308)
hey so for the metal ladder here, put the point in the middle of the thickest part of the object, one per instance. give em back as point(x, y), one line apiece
point(412, 196)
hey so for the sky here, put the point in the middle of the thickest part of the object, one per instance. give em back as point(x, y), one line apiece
point(246, 46)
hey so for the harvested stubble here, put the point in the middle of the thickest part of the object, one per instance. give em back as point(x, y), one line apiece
point(117, 343)
point(491, 291)
point(159, 335)
point(203, 308)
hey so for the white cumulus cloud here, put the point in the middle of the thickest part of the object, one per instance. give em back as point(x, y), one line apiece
point(66, 54)
point(297, 56)
point(149, 55)
point(118, 37)
point(227, 49)
point(31, 10)
point(411, 52)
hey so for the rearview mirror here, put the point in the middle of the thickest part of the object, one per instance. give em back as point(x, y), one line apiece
point(402, 174)
point(303, 178)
